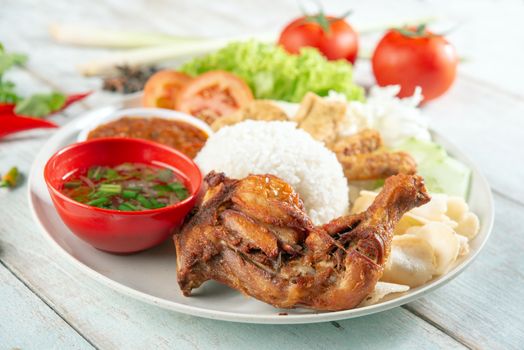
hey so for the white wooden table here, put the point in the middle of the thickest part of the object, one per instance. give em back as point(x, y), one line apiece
point(45, 303)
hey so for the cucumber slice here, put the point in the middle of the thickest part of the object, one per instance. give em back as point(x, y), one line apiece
point(446, 175)
point(441, 173)
point(421, 150)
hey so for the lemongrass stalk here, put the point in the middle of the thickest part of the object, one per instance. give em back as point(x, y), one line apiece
point(146, 56)
point(83, 35)
point(92, 36)
point(158, 54)
point(379, 27)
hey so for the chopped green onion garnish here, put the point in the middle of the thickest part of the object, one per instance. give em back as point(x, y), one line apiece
point(73, 184)
point(144, 201)
point(157, 204)
point(97, 202)
point(126, 187)
point(163, 188)
point(176, 185)
point(111, 174)
point(95, 173)
point(129, 194)
point(127, 207)
point(131, 206)
point(181, 193)
point(110, 188)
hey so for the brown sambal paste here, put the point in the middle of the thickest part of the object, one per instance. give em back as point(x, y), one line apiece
point(179, 135)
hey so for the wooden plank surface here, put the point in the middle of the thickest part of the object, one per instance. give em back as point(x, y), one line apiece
point(482, 308)
point(28, 323)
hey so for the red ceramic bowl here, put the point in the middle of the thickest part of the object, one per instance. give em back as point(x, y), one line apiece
point(112, 230)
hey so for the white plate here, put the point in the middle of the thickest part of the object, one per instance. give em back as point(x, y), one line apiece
point(151, 276)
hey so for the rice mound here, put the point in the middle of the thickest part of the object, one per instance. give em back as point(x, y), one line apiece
point(280, 149)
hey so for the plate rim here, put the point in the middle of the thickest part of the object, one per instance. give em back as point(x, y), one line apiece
point(244, 318)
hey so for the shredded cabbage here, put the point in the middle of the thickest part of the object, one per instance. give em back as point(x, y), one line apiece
point(272, 73)
point(395, 118)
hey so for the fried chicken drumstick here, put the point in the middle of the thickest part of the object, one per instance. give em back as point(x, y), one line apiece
point(254, 236)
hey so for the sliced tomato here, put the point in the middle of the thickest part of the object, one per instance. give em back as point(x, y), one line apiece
point(162, 87)
point(212, 95)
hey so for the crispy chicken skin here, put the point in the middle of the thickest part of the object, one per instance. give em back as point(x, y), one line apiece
point(254, 236)
point(362, 158)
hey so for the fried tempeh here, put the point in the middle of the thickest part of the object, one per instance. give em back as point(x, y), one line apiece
point(256, 110)
point(321, 118)
point(366, 141)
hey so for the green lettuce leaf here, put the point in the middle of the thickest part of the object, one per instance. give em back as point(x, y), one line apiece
point(272, 73)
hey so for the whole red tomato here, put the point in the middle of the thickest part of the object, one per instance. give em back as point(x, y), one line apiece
point(415, 57)
point(332, 36)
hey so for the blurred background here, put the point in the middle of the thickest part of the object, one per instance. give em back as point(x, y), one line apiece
point(488, 34)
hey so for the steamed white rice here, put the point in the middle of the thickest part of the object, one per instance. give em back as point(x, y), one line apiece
point(279, 148)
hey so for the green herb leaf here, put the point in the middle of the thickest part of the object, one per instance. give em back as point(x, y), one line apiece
point(8, 60)
point(40, 105)
point(7, 92)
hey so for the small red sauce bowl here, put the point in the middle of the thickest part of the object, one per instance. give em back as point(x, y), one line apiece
point(113, 230)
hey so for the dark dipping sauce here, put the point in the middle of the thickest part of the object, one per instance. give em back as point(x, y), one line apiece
point(125, 187)
point(181, 136)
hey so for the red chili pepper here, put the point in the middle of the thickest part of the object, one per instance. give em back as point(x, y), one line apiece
point(11, 123)
point(7, 108)
point(70, 99)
